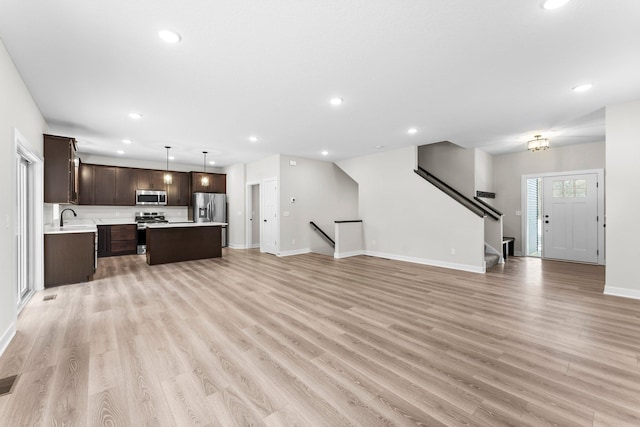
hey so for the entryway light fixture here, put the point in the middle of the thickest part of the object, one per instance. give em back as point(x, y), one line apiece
point(538, 143)
point(205, 178)
point(168, 179)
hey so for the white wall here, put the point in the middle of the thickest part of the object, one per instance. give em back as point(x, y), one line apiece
point(405, 217)
point(323, 193)
point(17, 111)
point(236, 205)
point(623, 226)
point(484, 173)
point(509, 168)
point(451, 163)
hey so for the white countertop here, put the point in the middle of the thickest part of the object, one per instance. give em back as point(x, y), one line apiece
point(71, 228)
point(115, 221)
point(187, 224)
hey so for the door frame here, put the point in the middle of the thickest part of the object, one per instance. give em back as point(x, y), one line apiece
point(248, 244)
point(36, 249)
point(601, 208)
point(262, 210)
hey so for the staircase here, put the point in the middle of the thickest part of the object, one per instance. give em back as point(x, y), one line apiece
point(490, 260)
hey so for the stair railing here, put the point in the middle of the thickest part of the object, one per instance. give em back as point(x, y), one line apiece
point(323, 234)
point(470, 204)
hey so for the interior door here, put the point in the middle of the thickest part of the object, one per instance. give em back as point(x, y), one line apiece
point(269, 232)
point(570, 217)
point(23, 237)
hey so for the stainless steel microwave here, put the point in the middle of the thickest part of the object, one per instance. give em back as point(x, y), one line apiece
point(151, 197)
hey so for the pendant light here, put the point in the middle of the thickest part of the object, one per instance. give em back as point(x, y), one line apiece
point(205, 178)
point(168, 179)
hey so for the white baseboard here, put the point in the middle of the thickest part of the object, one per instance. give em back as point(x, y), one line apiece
point(517, 253)
point(348, 254)
point(451, 265)
point(255, 246)
point(622, 292)
point(7, 336)
point(295, 252)
point(233, 246)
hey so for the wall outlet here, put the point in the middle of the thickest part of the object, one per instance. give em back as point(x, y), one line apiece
point(293, 241)
point(453, 251)
point(292, 163)
point(373, 242)
point(117, 213)
point(285, 213)
point(518, 213)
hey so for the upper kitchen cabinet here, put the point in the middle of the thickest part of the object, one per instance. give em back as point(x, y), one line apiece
point(86, 184)
point(217, 182)
point(178, 193)
point(126, 186)
point(105, 185)
point(60, 170)
point(149, 179)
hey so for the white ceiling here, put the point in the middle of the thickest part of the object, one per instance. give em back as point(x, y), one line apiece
point(487, 74)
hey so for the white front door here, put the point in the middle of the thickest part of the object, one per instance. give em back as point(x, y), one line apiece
point(570, 217)
point(269, 234)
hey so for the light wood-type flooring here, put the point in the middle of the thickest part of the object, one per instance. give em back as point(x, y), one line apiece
point(252, 339)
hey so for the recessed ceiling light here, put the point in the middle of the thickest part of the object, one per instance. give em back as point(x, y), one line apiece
point(135, 116)
point(172, 158)
point(325, 153)
point(253, 138)
point(583, 88)
point(378, 147)
point(554, 4)
point(212, 162)
point(412, 131)
point(120, 152)
point(169, 36)
point(336, 101)
point(126, 141)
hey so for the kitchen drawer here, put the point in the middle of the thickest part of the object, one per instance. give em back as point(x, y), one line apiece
point(118, 246)
point(123, 232)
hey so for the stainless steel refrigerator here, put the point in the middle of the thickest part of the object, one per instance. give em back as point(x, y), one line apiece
point(211, 207)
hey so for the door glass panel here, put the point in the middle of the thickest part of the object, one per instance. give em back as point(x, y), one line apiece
point(557, 189)
point(581, 188)
point(568, 188)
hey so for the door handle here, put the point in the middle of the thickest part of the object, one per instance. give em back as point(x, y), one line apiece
point(546, 222)
point(265, 220)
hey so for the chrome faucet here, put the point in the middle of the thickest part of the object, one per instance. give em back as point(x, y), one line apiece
point(63, 211)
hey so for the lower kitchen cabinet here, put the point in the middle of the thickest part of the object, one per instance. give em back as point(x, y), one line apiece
point(116, 240)
point(68, 258)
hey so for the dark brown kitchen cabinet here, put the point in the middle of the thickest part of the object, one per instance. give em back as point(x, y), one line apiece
point(116, 240)
point(125, 187)
point(217, 182)
point(150, 179)
point(105, 185)
point(68, 258)
point(60, 170)
point(86, 184)
point(178, 193)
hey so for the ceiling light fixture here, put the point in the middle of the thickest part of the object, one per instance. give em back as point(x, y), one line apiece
point(336, 101)
point(554, 4)
point(169, 36)
point(168, 179)
point(135, 116)
point(583, 87)
point(172, 158)
point(126, 141)
point(205, 178)
point(325, 153)
point(412, 131)
point(253, 138)
point(120, 152)
point(212, 162)
point(538, 144)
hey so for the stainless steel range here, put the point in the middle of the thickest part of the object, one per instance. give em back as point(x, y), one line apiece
point(142, 219)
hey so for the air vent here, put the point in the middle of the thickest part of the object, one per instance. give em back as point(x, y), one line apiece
point(6, 385)
point(49, 297)
point(486, 194)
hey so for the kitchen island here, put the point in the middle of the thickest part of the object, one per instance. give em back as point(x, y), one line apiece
point(183, 241)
